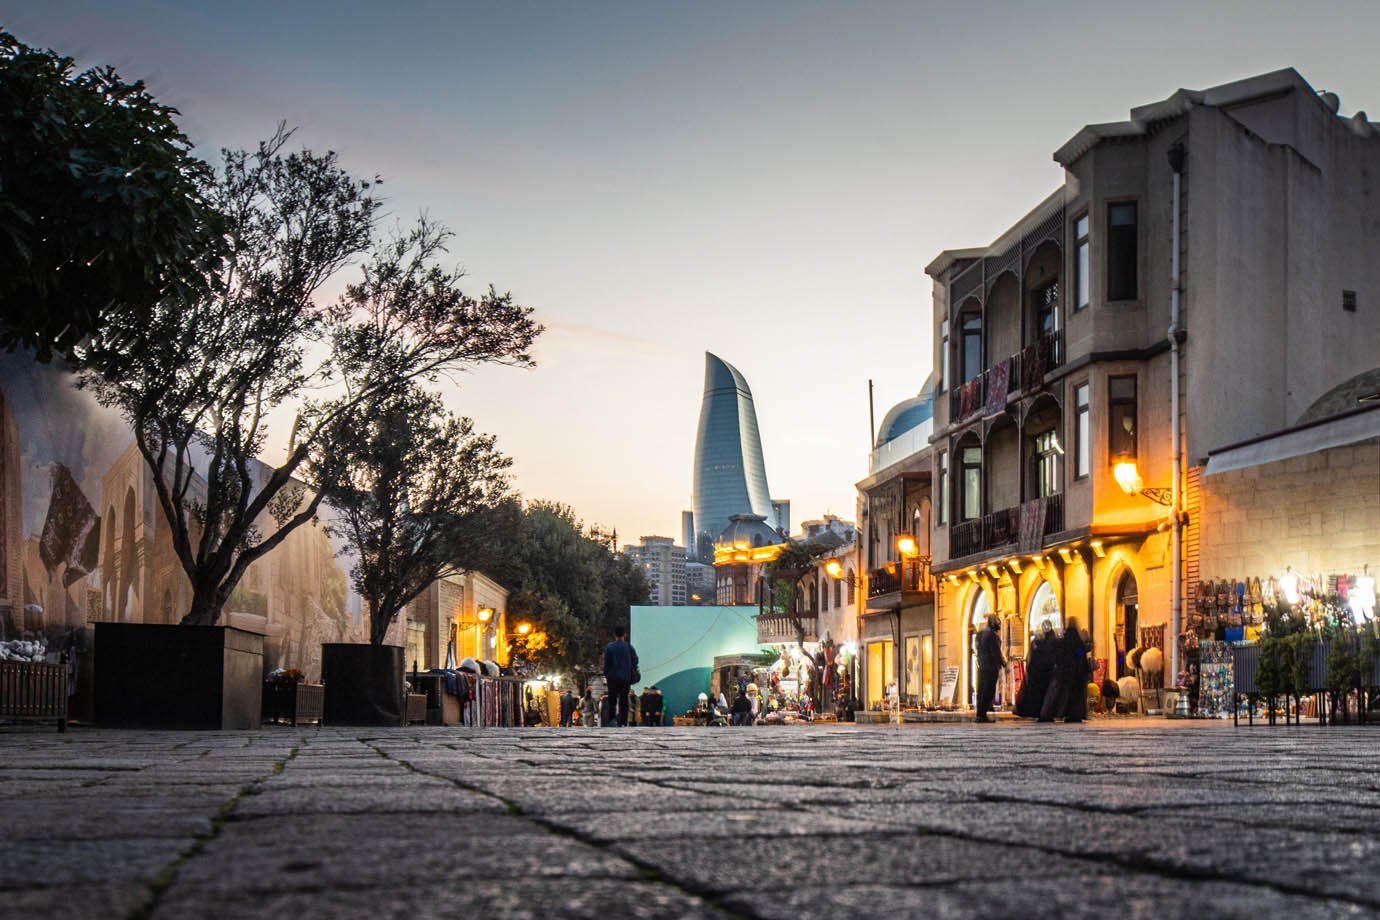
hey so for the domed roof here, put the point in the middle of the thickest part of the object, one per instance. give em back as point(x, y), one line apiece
point(748, 530)
point(908, 414)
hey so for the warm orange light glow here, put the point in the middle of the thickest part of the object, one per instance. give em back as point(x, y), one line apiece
point(834, 568)
point(524, 628)
point(906, 546)
point(1097, 548)
point(486, 614)
point(1128, 477)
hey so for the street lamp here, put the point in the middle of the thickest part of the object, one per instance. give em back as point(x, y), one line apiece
point(524, 628)
point(1128, 477)
point(906, 545)
point(834, 569)
point(484, 615)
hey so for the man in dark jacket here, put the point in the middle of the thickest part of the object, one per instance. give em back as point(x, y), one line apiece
point(620, 670)
point(652, 704)
point(990, 664)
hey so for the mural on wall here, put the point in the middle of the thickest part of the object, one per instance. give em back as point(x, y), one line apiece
point(85, 540)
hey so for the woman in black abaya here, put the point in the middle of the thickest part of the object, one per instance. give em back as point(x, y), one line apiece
point(1039, 672)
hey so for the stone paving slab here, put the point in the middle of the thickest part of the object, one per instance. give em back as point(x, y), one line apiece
point(1132, 818)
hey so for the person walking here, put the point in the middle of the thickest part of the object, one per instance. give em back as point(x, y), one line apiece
point(651, 706)
point(589, 709)
point(633, 711)
point(990, 665)
point(568, 704)
point(620, 670)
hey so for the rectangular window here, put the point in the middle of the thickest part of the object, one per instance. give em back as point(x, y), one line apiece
point(944, 355)
point(838, 593)
point(1046, 461)
point(1082, 264)
point(941, 487)
point(972, 483)
point(1121, 251)
point(972, 346)
point(1121, 418)
point(1082, 446)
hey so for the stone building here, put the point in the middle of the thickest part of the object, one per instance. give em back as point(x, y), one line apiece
point(1209, 268)
point(897, 630)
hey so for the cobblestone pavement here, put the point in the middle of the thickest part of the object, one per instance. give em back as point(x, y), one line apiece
point(1126, 819)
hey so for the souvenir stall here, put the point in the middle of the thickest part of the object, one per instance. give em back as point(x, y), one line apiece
point(1228, 614)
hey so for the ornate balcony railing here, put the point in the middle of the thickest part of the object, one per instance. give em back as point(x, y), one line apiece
point(909, 575)
point(1021, 373)
point(777, 628)
point(1022, 527)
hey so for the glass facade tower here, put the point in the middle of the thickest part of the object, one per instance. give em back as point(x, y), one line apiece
point(730, 477)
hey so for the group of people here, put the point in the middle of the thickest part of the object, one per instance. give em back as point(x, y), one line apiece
point(1057, 673)
point(621, 705)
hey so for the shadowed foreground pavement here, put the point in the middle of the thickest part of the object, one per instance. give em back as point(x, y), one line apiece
point(1128, 819)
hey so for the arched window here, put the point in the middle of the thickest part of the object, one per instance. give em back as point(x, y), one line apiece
point(838, 592)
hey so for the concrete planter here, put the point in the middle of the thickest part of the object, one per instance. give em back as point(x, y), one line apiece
point(160, 676)
point(364, 684)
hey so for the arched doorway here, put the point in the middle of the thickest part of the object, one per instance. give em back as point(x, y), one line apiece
point(977, 620)
point(1125, 631)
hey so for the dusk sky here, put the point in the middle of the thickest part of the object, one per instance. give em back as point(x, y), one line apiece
point(765, 181)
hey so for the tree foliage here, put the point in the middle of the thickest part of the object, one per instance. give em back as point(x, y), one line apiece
point(199, 378)
point(102, 206)
point(416, 491)
point(784, 575)
point(569, 581)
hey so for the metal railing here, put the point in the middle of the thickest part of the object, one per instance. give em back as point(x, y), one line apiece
point(1001, 528)
point(908, 575)
point(1025, 373)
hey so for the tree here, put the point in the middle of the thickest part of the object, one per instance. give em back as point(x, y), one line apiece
point(102, 205)
point(784, 574)
point(414, 488)
point(198, 379)
point(569, 582)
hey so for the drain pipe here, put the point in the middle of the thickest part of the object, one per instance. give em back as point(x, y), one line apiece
point(1176, 163)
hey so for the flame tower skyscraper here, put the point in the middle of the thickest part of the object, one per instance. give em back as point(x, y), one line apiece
point(730, 476)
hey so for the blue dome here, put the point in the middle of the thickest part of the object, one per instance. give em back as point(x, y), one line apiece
point(908, 414)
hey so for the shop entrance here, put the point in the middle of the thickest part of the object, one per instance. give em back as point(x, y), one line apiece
point(881, 671)
point(1124, 631)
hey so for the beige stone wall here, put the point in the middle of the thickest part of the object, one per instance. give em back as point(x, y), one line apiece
point(1316, 513)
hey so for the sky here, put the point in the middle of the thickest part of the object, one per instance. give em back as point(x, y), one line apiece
point(765, 181)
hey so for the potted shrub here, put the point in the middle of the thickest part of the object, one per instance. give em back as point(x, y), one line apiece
point(413, 489)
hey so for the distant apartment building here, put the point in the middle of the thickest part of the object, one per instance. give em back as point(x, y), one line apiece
point(830, 524)
point(663, 563)
point(1207, 272)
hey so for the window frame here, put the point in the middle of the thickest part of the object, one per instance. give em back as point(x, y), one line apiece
point(1082, 262)
point(1115, 237)
point(944, 355)
point(963, 335)
point(1116, 449)
point(943, 487)
point(1082, 431)
point(964, 467)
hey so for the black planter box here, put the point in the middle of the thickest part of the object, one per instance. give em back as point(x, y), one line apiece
point(160, 676)
point(364, 684)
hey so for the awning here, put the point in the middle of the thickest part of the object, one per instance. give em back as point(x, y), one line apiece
point(1338, 431)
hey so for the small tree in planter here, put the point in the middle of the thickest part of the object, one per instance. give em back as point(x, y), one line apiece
point(416, 492)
